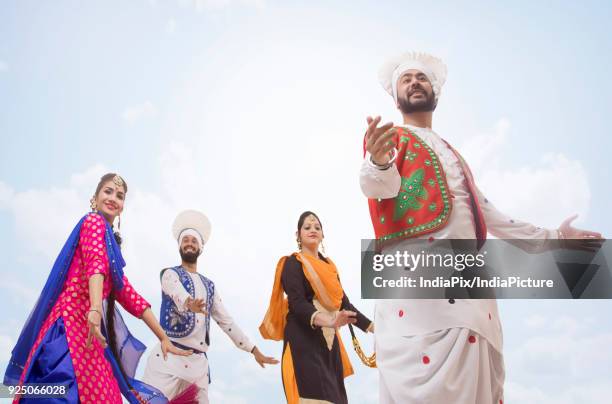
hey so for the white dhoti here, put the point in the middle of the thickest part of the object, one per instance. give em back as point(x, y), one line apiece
point(174, 375)
point(452, 366)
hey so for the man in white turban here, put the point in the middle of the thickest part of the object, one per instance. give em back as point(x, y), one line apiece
point(189, 300)
point(418, 186)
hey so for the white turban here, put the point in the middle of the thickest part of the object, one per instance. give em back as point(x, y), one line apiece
point(431, 66)
point(191, 223)
point(191, 232)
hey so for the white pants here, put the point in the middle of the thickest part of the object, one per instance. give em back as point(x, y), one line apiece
point(175, 374)
point(452, 366)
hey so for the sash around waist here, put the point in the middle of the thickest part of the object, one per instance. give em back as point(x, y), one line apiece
point(187, 348)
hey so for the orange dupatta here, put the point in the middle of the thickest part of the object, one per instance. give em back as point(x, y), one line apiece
point(324, 280)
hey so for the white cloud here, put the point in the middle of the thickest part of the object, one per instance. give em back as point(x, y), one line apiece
point(170, 27)
point(6, 346)
point(577, 393)
point(89, 178)
point(567, 324)
point(544, 193)
point(515, 392)
point(44, 217)
point(483, 151)
point(362, 387)
point(250, 375)
point(139, 112)
point(3, 66)
point(560, 359)
point(25, 294)
point(568, 356)
point(6, 195)
point(181, 174)
point(535, 321)
point(225, 392)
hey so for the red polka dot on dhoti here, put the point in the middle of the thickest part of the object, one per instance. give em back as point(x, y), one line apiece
point(401, 313)
point(426, 359)
point(472, 339)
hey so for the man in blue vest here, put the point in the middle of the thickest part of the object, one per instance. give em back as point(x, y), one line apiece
point(189, 300)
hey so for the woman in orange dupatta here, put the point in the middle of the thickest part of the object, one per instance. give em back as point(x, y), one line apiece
point(314, 361)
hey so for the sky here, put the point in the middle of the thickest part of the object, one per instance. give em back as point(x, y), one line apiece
point(253, 111)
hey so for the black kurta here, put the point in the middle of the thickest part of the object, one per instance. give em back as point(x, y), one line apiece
point(318, 371)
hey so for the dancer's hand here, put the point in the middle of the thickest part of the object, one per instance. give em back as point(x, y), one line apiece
point(196, 305)
point(344, 317)
point(379, 141)
point(166, 346)
point(576, 239)
point(261, 358)
point(94, 319)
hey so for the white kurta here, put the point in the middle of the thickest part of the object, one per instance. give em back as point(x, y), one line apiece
point(178, 372)
point(422, 319)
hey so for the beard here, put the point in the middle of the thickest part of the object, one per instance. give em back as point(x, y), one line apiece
point(189, 256)
point(426, 105)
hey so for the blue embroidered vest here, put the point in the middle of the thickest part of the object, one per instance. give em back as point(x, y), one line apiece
point(179, 324)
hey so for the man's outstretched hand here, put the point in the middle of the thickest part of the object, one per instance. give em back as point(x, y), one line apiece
point(577, 239)
point(379, 141)
point(263, 359)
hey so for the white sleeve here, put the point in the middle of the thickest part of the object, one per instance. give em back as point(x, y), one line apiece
point(172, 286)
point(227, 324)
point(524, 235)
point(377, 183)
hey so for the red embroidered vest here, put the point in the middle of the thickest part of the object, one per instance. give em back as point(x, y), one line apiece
point(423, 204)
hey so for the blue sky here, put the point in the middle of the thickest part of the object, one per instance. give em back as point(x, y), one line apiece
point(253, 111)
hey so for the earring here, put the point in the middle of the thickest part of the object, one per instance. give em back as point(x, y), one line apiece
point(299, 243)
point(92, 204)
point(322, 247)
point(119, 223)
